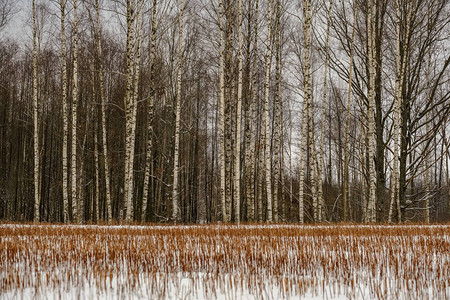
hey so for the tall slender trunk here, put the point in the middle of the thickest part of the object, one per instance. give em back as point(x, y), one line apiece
point(277, 112)
point(97, 176)
point(268, 62)
point(132, 138)
point(400, 68)
point(75, 201)
point(200, 160)
point(345, 185)
point(230, 91)
point(261, 174)
point(225, 217)
point(251, 144)
point(364, 164)
point(306, 105)
point(148, 155)
point(427, 182)
point(428, 128)
point(237, 145)
point(175, 194)
point(64, 113)
point(103, 102)
point(313, 165)
point(282, 206)
point(129, 112)
point(247, 105)
point(320, 198)
point(291, 173)
point(447, 164)
point(371, 211)
point(35, 121)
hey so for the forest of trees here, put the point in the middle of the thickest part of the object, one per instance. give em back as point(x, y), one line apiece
point(199, 111)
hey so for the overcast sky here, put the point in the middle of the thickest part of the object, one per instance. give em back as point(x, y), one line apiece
point(17, 27)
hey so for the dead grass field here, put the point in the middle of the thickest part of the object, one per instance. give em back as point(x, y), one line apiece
point(224, 262)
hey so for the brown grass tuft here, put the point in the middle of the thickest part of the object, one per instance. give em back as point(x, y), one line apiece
point(191, 262)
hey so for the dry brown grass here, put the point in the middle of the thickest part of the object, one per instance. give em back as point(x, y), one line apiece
point(264, 262)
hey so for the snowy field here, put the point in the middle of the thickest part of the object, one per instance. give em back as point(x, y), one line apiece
point(224, 262)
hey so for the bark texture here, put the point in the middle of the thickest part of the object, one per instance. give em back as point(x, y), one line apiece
point(175, 194)
point(35, 122)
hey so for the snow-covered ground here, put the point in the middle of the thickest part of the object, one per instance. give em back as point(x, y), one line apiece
point(224, 262)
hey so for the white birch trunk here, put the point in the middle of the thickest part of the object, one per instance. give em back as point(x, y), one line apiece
point(35, 122)
point(397, 105)
point(237, 144)
point(225, 217)
point(371, 211)
point(75, 201)
point(306, 104)
point(364, 168)
point(175, 194)
point(250, 155)
point(313, 158)
point(313, 167)
point(345, 189)
point(129, 111)
point(261, 175)
point(132, 138)
point(291, 173)
point(277, 113)
point(65, 178)
point(282, 207)
point(247, 126)
point(148, 155)
point(229, 108)
point(268, 62)
point(398, 100)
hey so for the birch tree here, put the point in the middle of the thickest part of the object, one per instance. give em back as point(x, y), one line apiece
point(135, 71)
point(268, 62)
point(132, 73)
point(371, 212)
point(320, 198)
point(35, 121)
point(74, 187)
point(277, 111)
point(104, 102)
point(313, 163)
point(230, 92)
point(404, 41)
point(251, 144)
point(176, 164)
point(306, 104)
point(129, 108)
point(345, 188)
point(225, 217)
point(400, 69)
point(65, 116)
point(427, 181)
point(148, 156)
point(96, 212)
point(427, 24)
point(237, 149)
